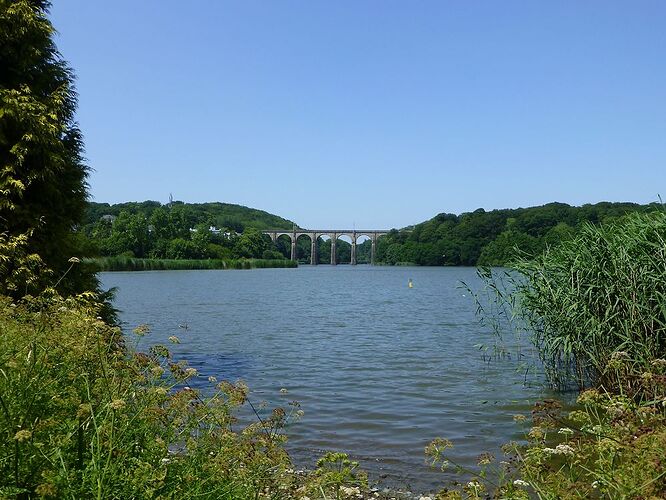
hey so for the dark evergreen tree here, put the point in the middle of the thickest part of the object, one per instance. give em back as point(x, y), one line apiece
point(42, 173)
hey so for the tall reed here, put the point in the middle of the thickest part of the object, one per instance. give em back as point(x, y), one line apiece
point(120, 263)
point(595, 306)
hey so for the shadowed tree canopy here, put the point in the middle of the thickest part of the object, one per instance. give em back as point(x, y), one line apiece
point(42, 173)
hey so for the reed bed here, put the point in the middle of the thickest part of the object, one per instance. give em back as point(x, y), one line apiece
point(595, 306)
point(133, 264)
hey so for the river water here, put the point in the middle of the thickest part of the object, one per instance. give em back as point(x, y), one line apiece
point(380, 369)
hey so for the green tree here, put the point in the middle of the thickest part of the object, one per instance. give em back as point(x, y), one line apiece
point(130, 234)
point(201, 238)
point(42, 173)
point(251, 244)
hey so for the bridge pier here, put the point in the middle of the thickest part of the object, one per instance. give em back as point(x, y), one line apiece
point(373, 249)
point(293, 247)
point(313, 249)
point(353, 251)
point(334, 239)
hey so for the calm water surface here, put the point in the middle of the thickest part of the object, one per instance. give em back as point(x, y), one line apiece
point(379, 369)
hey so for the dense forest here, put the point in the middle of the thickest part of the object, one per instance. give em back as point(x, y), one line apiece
point(180, 230)
point(492, 238)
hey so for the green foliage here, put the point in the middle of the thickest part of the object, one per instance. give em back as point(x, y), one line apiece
point(122, 263)
point(608, 447)
point(42, 177)
point(179, 231)
point(493, 238)
point(595, 308)
point(222, 215)
point(83, 417)
point(337, 477)
point(611, 447)
point(596, 297)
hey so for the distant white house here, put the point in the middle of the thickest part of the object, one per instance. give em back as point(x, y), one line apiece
point(108, 218)
point(214, 231)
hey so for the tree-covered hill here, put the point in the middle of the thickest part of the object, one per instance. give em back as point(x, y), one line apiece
point(491, 238)
point(180, 230)
point(221, 215)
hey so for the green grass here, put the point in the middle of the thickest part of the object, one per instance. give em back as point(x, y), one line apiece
point(134, 264)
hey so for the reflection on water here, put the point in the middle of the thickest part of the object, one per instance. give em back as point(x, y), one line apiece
point(379, 368)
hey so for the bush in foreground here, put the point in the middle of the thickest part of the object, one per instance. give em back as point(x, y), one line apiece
point(595, 309)
point(82, 417)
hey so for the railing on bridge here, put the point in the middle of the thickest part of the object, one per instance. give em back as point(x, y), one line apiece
point(333, 234)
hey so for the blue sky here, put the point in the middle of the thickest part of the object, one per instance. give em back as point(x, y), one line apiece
point(371, 113)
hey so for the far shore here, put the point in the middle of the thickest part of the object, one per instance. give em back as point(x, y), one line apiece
point(120, 263)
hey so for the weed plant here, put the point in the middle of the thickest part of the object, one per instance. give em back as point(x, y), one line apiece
point(83, 417)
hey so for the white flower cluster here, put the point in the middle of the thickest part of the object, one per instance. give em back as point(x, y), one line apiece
point(560, 449)
point(520, 482)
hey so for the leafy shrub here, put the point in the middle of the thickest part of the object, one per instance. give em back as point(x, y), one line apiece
point(81, 416)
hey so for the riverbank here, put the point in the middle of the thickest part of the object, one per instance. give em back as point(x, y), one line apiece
point(134, 264)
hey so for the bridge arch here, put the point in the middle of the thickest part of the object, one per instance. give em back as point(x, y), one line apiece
point(334, 234)
point(306, 252)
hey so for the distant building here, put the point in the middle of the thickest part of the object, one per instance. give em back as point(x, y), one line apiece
point(108, 218)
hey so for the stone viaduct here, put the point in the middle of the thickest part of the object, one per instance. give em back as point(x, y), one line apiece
point(334, 234)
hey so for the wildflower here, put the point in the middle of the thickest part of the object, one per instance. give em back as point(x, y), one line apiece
point(190, 372)
point(520, 482)
point(141, 330)
point(47, 490)
point(174, 339)
point(22, 435)
point(157, 371)
point(117, 404)
point(161, 351)
point(166, 460)
point(519, 418)
point(84, 411)
point(475, 485)
point(485, 458)
point(564, 449)
point(566, 431)
point(161, 391)
point(536, 433)
point(589, 396)
point(74, 260)
point(283, 391)
point(595, 484)
point(212, 379)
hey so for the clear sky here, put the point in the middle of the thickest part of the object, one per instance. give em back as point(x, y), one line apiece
point(370, 113)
